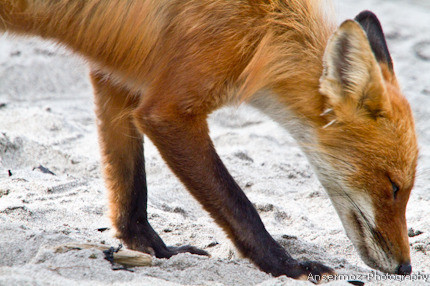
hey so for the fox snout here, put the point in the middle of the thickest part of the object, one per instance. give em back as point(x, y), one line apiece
point(385, 250)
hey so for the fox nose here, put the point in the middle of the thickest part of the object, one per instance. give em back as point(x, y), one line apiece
point(404, 269)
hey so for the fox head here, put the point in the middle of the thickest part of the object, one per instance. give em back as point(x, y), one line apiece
point(368, 144)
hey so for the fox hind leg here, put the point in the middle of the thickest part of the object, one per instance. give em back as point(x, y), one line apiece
point(124, 169)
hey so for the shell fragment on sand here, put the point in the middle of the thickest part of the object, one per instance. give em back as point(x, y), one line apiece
point(124, 257)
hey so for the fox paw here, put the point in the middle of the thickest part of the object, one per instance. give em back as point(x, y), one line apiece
point(314, 272)
point(187, 249)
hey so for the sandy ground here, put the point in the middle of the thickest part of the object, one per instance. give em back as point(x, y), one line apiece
point(46, 118)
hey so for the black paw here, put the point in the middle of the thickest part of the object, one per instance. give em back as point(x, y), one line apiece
point(314, 272)
point(187, 249)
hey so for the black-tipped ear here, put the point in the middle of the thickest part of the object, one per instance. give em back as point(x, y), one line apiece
point(375, 34)
point(352, 81)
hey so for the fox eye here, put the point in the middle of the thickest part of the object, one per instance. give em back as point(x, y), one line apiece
point(395, 188)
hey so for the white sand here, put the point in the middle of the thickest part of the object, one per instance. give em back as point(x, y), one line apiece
point(48, 120)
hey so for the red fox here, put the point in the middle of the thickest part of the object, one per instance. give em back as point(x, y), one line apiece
point(160, 67)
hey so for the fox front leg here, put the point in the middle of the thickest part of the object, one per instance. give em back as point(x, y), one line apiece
point(184, 143)
point(124, 169)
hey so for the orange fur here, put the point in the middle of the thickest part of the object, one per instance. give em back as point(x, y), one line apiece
point(159, 67)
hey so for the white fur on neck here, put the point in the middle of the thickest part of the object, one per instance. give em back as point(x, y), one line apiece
point(301, 131)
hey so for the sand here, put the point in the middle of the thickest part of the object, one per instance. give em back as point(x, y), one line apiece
point(46, 119)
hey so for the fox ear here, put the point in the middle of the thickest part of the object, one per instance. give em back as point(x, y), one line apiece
point(352, 80)
point(371, 25)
